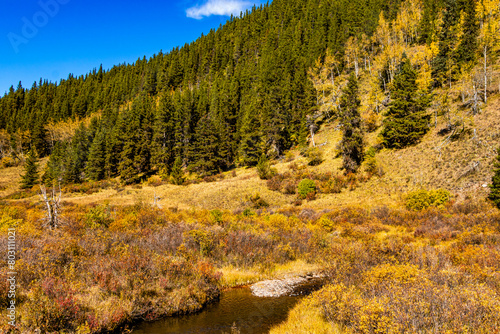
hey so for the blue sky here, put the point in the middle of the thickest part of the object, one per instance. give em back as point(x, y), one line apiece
point(51, 38)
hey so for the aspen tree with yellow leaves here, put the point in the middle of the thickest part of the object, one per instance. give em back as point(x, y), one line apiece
point(488, 11)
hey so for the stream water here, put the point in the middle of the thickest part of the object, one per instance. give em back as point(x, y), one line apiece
point(250, 314)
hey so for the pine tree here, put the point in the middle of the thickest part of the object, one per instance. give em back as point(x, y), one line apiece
point(39, 138)
point(54, 170)
point(467, 49)
point(75, 158)
point(177, 174)
point(352, 142)
point(163, 144)
point(96, 164)
point(444, 63)
point(205, 151)
point(30, 177)
point(495, 184)
point(406, 120)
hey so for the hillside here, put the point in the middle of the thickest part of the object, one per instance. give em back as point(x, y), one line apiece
point(347, 139)
point(421, 166)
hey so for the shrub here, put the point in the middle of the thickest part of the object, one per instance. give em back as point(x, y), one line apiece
point(257, 201)
point(290, 188)
point(216, 216)
point(248, 212)
point(326, 224)
point(98, 216)
point(154, 181)
point(306, 187)
point(8, 162)
point(334, 185)
point(276, 182)
point(422, 199)
point(372, 122)
point(314, 156)
point(264, 169)
point(289, 156)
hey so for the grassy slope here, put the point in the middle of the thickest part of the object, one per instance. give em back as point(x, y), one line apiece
point(407, 169)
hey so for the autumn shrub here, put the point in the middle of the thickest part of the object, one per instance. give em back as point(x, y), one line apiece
point(216, 216)
point(98, 216)
point(290, 187)
point(314, 156)
point(276, 182)
point(289, 156)
point(8, 162)
point(306, 187)
point(154, 181)
point(257, 201)
point(264, 169)
point(333, 185)
point(422, 199)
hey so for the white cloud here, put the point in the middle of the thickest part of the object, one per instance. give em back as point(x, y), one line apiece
point(218, 7)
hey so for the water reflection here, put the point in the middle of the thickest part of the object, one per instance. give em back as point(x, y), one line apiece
point(252, 315)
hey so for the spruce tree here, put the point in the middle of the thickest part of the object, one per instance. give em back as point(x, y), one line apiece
point(443, 65)
point(177, 174)
point(467, 49)
point(39, 138)
point(75, 158)
point(96, 164)
point(30, 177)
point(406, 120)
point(495, 185)
point(54, 169)
point(163, 143)
point(352, 142)
point(205, 153)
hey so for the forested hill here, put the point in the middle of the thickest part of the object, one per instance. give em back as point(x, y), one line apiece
point(238, 92)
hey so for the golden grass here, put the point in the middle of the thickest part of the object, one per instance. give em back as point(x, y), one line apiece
point(232, 276)
point(305, 318)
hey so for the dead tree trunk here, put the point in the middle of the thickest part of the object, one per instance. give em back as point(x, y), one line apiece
point(53, 206)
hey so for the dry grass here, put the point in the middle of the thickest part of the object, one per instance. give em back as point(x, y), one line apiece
point(305, 318)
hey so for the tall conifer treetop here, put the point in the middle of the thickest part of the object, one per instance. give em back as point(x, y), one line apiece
point(406, 119)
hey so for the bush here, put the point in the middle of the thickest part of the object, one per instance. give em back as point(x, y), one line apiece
point(98, 216)
point(275, 183)
point(306, 187)
point(8, 162)
point(314, 156)
point(216, 216)
point(257, 201)
point(422, 199)
point(334, 185)
point(154, 181)
point(264, 169)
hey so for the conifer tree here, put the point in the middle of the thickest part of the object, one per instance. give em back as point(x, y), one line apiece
point(177, 174)
point(39, 138)
point(352, 142)
point(495, 185)
point(406, 120)
point(163, 144)
point(55, 169)
point(96, 164)
point(75, 158)
point(444, 63)
point(205, 151)
point(30, 177)
point(467, 49)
